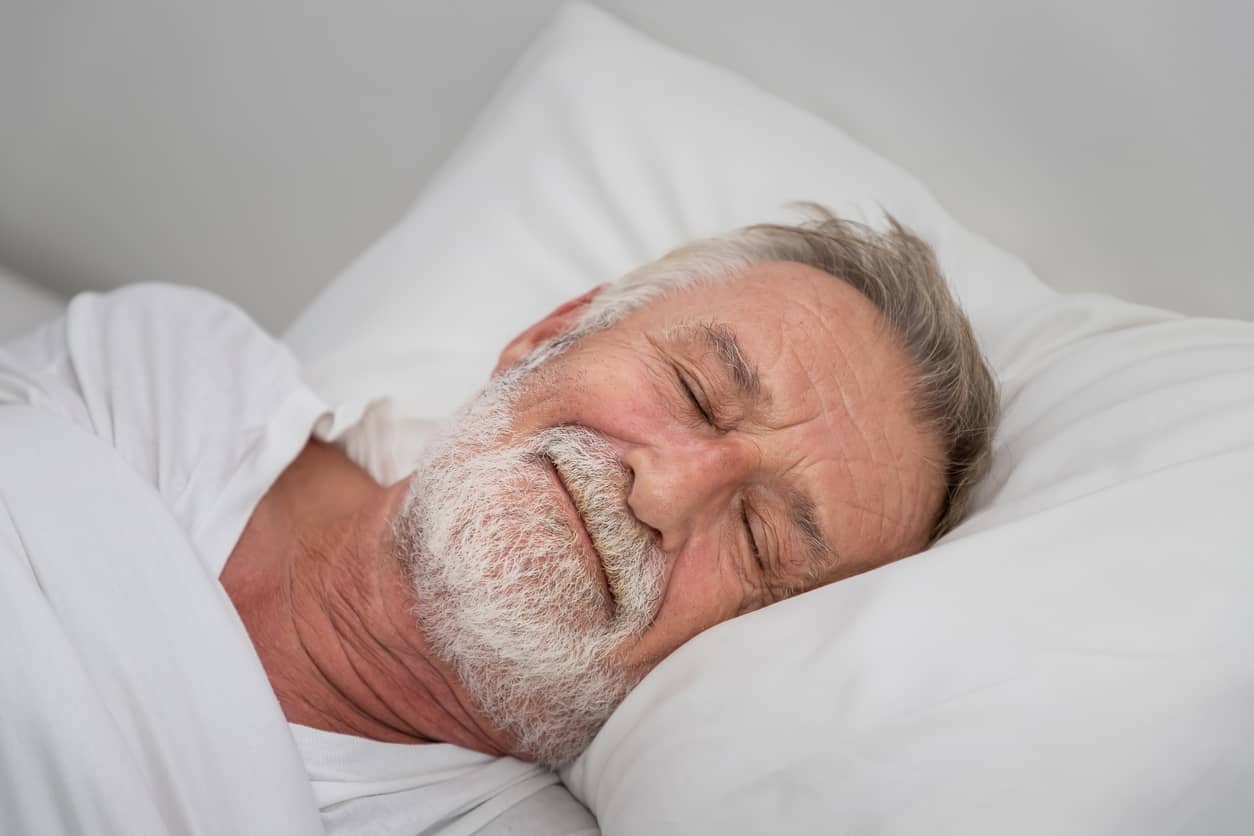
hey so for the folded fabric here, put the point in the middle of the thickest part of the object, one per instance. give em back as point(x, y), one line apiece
point(130, 698)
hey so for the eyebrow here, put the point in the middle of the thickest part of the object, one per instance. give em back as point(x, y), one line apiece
point(722, 339)
point(802, 510)
point(804, 514)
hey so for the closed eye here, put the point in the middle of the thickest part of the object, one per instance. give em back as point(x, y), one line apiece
point(695, 401)
point(753, 544)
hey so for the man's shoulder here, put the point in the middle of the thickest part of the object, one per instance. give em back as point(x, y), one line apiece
point(187, 331)
point(142, 292)
point(173, 306)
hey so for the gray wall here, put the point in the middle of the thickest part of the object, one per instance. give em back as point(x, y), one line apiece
point(256, 147)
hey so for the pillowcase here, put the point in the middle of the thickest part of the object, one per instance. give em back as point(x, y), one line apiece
point(1076, 657)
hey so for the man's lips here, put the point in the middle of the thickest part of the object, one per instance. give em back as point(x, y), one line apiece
point(575, 516)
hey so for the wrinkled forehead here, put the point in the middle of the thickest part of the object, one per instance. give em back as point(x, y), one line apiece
point(795, 302)
point(814, 339)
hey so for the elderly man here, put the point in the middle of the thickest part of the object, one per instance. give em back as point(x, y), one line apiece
point(748, 418)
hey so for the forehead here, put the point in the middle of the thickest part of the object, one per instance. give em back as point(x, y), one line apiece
point(786, 307)
point(838, 424)
point(809, 334)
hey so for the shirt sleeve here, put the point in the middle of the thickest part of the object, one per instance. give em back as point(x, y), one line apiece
point(181, 383)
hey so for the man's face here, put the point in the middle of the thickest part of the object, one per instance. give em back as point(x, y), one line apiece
point(713, 452)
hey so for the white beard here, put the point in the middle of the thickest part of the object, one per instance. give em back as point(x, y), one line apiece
point(503, 587)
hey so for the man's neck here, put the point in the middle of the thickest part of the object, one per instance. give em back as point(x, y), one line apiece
point(330, 614)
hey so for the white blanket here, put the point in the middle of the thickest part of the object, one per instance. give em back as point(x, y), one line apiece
point(130, 699)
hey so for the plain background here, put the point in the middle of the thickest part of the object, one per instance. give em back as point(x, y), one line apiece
point(256, 147)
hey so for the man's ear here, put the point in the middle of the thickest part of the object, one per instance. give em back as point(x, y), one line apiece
point(558, 322)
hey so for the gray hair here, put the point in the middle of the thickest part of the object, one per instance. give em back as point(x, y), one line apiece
point(955, 395)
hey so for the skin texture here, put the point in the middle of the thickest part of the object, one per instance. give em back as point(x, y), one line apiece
point(713, 474)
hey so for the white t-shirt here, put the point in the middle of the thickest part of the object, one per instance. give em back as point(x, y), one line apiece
point(209, 409)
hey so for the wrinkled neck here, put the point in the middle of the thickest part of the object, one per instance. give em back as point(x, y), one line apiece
point(330, 612)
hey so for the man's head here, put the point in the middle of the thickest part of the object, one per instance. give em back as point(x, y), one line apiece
point(747, 418)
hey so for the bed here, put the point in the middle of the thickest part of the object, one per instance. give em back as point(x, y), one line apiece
point(1075, 658)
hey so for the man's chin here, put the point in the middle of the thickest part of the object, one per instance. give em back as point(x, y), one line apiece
point(550, 715)
point(506, 596)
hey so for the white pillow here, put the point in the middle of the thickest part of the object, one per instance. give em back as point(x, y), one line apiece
point(1077, 657)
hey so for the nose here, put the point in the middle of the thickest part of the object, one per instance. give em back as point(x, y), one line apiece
point(681, 488)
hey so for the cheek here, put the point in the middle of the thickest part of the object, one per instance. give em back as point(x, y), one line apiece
point(621, 398)
point(701, 591)
point(631, 400)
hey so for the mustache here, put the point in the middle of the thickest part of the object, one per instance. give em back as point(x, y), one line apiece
point(599, 484)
